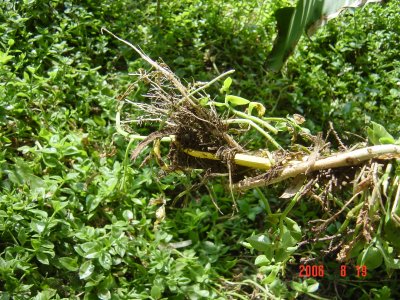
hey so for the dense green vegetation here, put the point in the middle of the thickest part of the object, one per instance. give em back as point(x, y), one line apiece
point(78, 219)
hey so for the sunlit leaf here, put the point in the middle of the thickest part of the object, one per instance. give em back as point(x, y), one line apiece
point(272, 272)
point(378, 135)
point(370, 257)
point(69, 263)
point(4, 57)
point(262, 260)
point(104, 294)
point(86, 269)
point(260, 242)
point(42, 257)
point(105, 260)
point(226, 85)
point(236, 100)
point(38, 226)
point(156, 292)
point(307, 16)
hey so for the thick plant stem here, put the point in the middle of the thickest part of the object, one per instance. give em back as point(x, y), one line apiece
point(251, 161)
point(336, 161)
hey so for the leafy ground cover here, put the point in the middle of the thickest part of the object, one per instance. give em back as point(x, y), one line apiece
point(78, 219)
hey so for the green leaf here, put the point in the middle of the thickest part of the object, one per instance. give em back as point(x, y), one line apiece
point(156, 291)
point(370, 257)
point(4, 58)
point(46, 244)
point(45, 295)
point(58, 205)
point(104, 294)
point(292, 22)
point(262, 260)
point(260, 242)
point(236, 100)
point(24, 95)
point(297, 286)
point(282, 253)
point(287, 239)
point(387, 140)
point(99, 121)
point(272, 272)
point(204, 101)
point(69, 263)
point(387, 253)
point(38, 226)
point(108, 282)
point(36, 244)
point(31, 69)
point(26, 76)
point(71, 150)
point(226, 85)
point(309, 285)
point(357, 248)
point(294, 229)
point(50, 160)
point(92, 202)
point(391, 232)
point(42, 257)
point(86, 269)
point(91, 250)
point(105, 260)
point(382, 293)
point(312, 285)
point(395, 93)
point(22, 236)
point(378, 135)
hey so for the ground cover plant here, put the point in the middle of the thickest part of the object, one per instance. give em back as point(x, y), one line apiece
point(80, 219)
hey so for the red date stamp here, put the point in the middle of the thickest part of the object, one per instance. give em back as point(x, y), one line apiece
point(315, 271)
point(311, 271)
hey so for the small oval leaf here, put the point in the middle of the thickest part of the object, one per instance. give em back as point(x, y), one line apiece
point(69, 263)
point(371, 257)
point(86, 269)
point(236, 100)
point(226, 85)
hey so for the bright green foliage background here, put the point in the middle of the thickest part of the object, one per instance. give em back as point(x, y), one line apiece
point(78, 218)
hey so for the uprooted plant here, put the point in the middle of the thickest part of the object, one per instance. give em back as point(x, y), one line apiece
point(203, 134)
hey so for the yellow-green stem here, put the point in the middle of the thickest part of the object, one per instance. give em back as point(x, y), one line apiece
point(251, 161)
point(255, 120)
point(258, 128)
